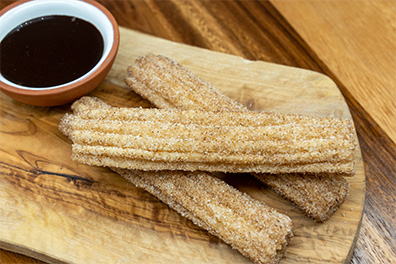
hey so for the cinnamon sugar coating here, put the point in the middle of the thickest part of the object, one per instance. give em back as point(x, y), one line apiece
point(159, 139)
point(318, 196)
point(249, 226)
point(168, 84)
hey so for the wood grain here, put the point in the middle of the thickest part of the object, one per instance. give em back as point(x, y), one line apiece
point(379, 155)
point(46, 196)
point(257, 30)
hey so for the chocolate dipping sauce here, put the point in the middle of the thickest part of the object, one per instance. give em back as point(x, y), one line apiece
point(49, 51)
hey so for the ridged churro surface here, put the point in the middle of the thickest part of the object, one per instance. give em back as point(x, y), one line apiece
point(318, 196)
point(254, 229)
point(249, 226)
point(167, 84)
point(157, 139)
point(161, 80)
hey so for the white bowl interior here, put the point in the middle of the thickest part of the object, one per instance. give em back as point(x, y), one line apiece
point(74, 8)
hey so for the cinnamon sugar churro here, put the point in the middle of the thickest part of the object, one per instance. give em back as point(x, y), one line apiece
point(249, 226)
point(190, 140)
point(318, 196)
point(167, 84)
point(254, 229)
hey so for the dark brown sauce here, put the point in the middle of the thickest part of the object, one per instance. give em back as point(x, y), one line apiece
point(49, 51)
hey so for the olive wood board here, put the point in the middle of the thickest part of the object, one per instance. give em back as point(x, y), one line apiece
point(59, 211)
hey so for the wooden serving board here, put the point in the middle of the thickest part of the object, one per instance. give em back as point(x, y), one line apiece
point(57, 210)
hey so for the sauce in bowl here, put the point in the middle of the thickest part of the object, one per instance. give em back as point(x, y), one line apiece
point(49, 51)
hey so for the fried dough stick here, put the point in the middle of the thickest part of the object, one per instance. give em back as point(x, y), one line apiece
point(167, 84)
point(190, 140)
point(249, 226)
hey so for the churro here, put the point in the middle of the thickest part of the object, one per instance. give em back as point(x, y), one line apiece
point(249, 226)
point(318, 196)
point(168, 84)
point(190, 140)
point(84, 103)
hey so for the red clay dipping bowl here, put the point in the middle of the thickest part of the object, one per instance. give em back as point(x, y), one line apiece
point(88, 10)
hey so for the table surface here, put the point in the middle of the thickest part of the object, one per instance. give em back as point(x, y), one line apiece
point(353, 42)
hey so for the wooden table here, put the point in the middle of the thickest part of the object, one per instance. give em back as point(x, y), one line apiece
point(353, 42)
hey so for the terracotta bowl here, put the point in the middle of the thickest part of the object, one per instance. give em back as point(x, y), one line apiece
point(88, 10)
